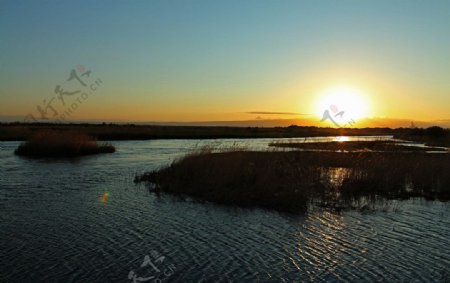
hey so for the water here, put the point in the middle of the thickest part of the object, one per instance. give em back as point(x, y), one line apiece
point(83, 220)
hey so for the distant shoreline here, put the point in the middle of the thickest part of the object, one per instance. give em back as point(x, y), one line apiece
point(434, 136)
point(383, 146)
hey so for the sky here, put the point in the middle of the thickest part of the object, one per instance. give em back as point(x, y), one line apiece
point(229, 60)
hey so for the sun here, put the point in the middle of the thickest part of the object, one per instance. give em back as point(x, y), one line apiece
point(343, 103)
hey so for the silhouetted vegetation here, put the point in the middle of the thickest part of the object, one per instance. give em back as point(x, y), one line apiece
point(62, 144)
point(354, 146)
point(20, 131)
point(291, 181)
point(432, 136)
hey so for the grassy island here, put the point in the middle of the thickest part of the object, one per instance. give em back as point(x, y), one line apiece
point(388, 145)
point(62, 144)
point(291, 181)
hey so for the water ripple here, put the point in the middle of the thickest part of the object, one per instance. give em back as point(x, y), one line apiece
point(56, 227)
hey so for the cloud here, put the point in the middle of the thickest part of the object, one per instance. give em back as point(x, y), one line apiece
point(274, 113)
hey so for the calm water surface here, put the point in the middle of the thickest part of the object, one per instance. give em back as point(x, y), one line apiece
point(84, 220)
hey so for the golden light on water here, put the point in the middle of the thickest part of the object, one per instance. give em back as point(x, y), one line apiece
point(342, 139)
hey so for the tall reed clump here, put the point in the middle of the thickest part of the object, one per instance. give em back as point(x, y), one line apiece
point(398, 175)
point(62, 144)
point(291, 181)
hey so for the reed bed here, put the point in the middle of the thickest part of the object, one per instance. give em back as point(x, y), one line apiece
point(388, 145)
point(62, 144)
point(292, 181)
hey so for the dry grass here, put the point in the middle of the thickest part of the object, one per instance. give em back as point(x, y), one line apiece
point(62, 144)
point(354, 146)
point(291, 181)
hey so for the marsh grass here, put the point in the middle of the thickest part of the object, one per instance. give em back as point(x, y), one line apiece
point(291, 181)
point(62, 144)
point(376, 145)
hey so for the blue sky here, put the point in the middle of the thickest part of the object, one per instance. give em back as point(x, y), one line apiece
point(191, 60)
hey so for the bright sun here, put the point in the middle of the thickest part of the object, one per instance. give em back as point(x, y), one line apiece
point(343, 103)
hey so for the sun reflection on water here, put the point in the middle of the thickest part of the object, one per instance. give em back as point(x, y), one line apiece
point(319, 243)
point(341, 139)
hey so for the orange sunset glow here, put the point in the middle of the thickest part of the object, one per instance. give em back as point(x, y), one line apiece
point(380, 67)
